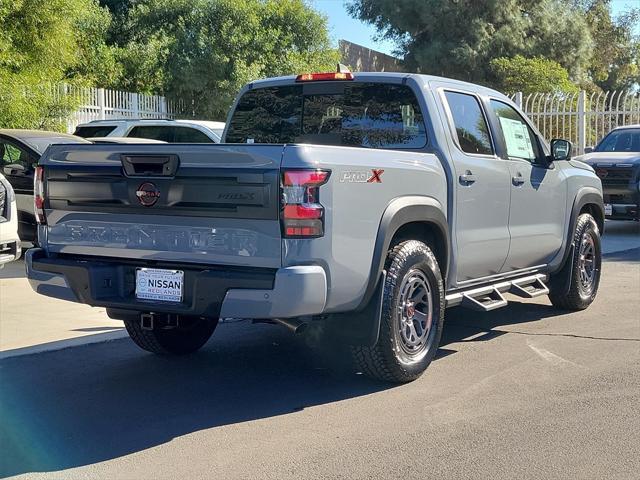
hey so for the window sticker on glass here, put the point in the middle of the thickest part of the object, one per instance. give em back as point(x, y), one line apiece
point(516, 135)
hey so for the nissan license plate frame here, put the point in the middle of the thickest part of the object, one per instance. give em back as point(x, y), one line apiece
point(160, 285)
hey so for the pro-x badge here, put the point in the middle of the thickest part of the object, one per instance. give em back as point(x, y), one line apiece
point(362, 176)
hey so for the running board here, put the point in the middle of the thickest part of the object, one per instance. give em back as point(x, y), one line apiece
point(529, 290)
point(483, 300)
point(489, 297)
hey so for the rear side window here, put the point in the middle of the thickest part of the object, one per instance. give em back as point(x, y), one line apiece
point(471, 126)
point(170, 134)
point(98, 131)
point(153, 132)
point(371, 115)
point(190, 135)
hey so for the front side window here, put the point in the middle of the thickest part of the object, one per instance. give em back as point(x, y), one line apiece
point(470, 124)
point(371, 115)
point(14, 158)
point(520, 140)
point(625, 140)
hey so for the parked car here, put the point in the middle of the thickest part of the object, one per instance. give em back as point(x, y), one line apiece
point(9, 240)
point(616, 160)
point(20, 151)
point(122, 140)
point(170, 131)
point(357, 205)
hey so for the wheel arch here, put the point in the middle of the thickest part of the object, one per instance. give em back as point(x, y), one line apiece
point(596, 212)
point(411, 217)
point(587, 200)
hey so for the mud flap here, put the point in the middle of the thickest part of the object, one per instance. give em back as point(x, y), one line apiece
point(358, 328)
point(561, 281)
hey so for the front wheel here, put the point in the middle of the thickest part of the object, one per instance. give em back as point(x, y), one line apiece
point(177, 336)
point(576, 285)
point(412, 316)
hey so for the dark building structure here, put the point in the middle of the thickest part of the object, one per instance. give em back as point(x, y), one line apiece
point(363, 59)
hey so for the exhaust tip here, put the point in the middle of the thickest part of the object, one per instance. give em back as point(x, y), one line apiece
point(294, 324)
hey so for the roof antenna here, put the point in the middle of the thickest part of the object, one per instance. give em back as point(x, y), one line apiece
point(343, 68)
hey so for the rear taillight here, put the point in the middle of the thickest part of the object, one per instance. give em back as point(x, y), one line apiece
point(302, 213)
point(38, 195)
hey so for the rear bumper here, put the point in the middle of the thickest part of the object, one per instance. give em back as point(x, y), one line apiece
point(208, 291)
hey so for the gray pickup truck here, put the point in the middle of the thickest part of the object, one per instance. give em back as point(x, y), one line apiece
point(364, 203)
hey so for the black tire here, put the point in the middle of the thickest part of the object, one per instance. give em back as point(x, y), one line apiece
point(191, 334)
point(573, 288)
point(393, 357)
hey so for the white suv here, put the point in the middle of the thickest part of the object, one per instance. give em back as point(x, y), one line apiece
point(171, 131)
point(9, 242)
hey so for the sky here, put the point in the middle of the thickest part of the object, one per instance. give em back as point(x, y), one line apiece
point(342, 26)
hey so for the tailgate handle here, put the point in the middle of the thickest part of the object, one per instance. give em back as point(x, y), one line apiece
point(150, 165)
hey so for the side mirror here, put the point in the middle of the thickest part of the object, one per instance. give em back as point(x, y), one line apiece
point(588, 149)
point(560, 149)
point(14, 169)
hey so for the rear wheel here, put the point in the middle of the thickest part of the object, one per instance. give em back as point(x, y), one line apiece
point(412, 316)
point(177, 336)
point(576, 285)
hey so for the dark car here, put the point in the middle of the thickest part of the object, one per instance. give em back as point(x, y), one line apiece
point(616, 160)
point(20, 151)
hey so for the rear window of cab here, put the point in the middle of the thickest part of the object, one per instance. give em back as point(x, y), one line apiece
point(357, 114)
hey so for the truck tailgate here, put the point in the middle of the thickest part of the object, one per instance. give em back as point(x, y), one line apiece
point(211, 204)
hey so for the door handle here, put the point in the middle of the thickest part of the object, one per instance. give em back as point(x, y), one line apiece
point(467, 178)
point(517, 179)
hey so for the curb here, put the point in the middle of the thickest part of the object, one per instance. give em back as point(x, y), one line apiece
point(62, 344)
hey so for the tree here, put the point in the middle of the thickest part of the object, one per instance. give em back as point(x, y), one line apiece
point(530, 75)
point(460, 38)
point(615, 64)
point(203, 51)
point(43, 42)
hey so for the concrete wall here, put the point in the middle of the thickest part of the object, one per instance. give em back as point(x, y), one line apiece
point(363, 59)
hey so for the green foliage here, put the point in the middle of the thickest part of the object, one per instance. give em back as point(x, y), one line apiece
point(41, 43)
point(203, 51)
point(97, 63)
point(25, 104)
point(459, 38)
point(615, 62)
point(530, 75)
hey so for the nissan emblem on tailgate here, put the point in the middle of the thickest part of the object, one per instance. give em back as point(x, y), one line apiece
point(148, 194)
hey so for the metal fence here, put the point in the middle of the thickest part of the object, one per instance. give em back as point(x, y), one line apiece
point(580, 117)
point(102, 104)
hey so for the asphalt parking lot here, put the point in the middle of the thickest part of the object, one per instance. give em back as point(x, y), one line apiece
point(523, 392)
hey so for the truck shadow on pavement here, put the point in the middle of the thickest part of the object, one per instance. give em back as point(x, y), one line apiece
point(90, 404)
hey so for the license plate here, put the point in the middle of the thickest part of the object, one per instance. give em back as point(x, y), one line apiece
point(608, 209)
point(160, 285)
